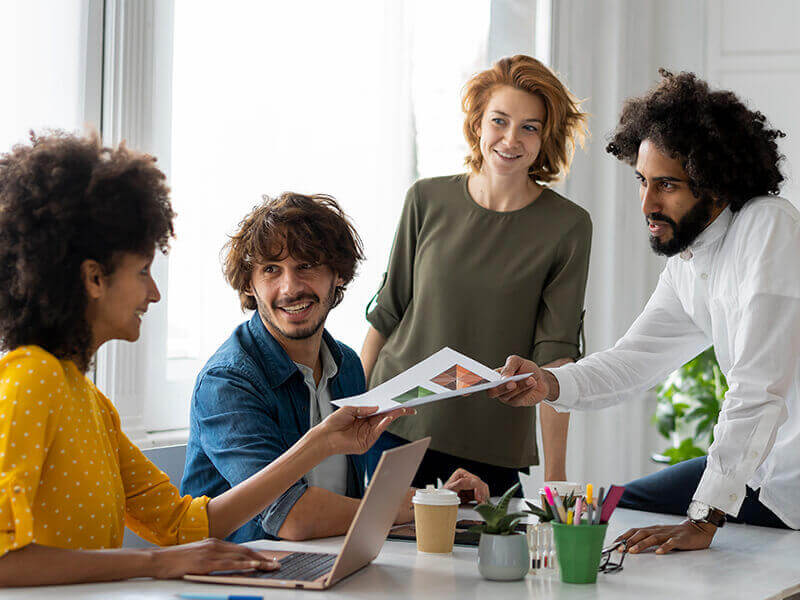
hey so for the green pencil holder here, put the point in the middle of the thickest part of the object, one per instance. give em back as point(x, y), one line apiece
point(579, 549)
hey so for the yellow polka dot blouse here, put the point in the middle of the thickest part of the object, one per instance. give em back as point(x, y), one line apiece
point(69, 476)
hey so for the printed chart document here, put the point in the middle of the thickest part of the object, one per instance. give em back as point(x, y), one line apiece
point(445, 374)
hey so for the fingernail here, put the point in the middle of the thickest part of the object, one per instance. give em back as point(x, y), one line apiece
point(255, 563)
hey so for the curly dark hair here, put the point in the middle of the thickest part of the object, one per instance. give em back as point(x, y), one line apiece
point(309, 228)
point(65, 199)
point(728, 151)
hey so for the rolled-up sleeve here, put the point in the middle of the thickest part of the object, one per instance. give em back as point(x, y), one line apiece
point(27, 427)
point(241, 435)
point(559, 322)
point(397, 288)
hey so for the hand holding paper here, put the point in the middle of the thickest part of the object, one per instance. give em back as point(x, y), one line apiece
point(444, 374)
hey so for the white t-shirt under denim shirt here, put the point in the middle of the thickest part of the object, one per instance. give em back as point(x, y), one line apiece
point(331, 473)
point(737, 287)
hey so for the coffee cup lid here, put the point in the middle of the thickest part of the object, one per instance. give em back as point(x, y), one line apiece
point(433, 497)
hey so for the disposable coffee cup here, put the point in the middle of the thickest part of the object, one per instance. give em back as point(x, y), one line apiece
point(435, 515)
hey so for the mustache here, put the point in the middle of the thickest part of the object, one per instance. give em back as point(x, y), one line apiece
point(660, 217)
point(289, 301)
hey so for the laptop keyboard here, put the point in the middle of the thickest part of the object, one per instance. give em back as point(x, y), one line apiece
point(301, 566)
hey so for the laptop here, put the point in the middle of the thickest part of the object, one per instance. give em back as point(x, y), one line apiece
point(368, 531)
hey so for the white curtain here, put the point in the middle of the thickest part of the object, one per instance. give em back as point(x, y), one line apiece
point(606, 51)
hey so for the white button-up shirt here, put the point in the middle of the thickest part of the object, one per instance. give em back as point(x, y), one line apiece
point(737, 287)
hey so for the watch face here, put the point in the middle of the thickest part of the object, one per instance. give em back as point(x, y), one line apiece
point(697, 511)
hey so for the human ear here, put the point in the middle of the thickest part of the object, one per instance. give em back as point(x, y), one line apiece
point(93, 278)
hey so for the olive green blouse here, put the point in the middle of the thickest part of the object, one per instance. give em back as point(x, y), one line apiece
point(488, 284)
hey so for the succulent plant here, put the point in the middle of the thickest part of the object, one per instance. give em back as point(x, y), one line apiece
point(545, 513)
point(497, 520)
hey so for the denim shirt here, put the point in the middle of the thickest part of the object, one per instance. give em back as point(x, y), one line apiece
point(249, 405)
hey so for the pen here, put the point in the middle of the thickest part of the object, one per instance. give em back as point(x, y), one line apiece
point(560, 505)
point(599, 506)
point(589, 506)
point(578, 510)
point(552, 504)
point(216, 597)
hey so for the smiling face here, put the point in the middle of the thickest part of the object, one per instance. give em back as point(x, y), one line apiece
point(674, 215)
point(510, 131)
point(293, 297)
point(118, 301)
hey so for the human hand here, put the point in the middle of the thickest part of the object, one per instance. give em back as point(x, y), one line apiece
point(468, 486)
point(348, 431)
point(405, 514)
point(527, 392)
point(689, 535)
point(210, 554)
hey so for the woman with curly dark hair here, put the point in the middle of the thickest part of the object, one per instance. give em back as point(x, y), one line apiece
point(708, 169)
point(79, 227)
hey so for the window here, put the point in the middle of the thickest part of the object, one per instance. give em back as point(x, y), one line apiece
point(51, 67)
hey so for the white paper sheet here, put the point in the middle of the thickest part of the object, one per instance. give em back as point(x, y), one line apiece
point(444, 374)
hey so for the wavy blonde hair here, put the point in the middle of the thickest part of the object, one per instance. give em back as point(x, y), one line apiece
point(564, 127)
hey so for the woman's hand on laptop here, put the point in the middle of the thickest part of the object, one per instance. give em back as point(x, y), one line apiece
point(350, 430)
point(469, 486)
point(200, 558)
point(527, 392)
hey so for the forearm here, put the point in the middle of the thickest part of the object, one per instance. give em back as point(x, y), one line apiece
point(319, 513)
point(241, 503)
point(555, 428)
point(373, 343)
point(43, 565)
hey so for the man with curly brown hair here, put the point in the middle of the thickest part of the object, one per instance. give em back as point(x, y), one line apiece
point(708, 173)
point(274, 378)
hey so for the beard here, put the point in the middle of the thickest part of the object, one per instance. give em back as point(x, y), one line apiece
point(685, 231)
point(309, 330)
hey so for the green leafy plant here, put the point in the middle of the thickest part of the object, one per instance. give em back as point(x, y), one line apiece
point(545, 513)
point(689, 402)
point(497, 520)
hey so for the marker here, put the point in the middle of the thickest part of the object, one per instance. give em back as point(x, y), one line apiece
point(599, 506)
point(610, 502)
point(215, 597)
point(569, 517)
point(560, 505)
point(552, 504)
point(578, 510)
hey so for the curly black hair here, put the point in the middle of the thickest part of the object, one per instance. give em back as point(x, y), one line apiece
point(65, 199)
point(728, 151)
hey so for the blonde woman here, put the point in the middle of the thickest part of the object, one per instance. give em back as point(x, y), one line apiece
point(487, 261)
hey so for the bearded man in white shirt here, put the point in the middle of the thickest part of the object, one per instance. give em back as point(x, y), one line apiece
point(708, 173)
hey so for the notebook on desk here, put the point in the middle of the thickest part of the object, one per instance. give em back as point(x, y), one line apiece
point(375, 515)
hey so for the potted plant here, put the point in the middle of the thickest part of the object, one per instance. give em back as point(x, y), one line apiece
point(689, 402)
point(502, 551)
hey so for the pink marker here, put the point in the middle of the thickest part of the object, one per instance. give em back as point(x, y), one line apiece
point(552, 504)
point(578, 510)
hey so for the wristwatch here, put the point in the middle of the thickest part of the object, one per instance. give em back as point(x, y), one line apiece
point(700, 512)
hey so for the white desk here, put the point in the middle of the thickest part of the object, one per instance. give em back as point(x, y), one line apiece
point(743, 562)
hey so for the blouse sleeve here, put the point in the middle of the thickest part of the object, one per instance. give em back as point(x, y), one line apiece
point(154, 508)
point(397, 288)
point(559, 323)
point(28, 420)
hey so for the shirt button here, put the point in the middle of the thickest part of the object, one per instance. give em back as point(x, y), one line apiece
point(733, 497)
point(17, 489)
point(703, 275)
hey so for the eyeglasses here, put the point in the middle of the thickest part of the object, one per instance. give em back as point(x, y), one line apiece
point(606, 565)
